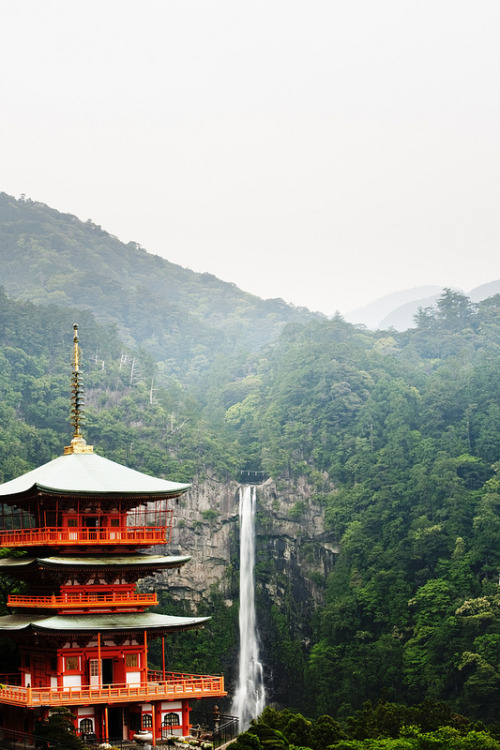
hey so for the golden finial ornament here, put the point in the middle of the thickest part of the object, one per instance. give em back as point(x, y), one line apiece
point(78, 444)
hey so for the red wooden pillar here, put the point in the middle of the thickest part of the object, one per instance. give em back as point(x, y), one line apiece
point(99, 662)
point(163, 655)
point(185, 718)
point(60, 669)
point(154, 718)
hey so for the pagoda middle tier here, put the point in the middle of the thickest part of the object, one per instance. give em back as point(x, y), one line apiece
point(79, 584)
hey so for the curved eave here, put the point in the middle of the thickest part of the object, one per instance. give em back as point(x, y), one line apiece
point(150, 621)
point(46, 490)
point(39, 489)
point(17, 562)
point(156, 562)
point(144, 562)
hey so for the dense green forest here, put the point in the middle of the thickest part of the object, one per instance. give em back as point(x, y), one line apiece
point(398, 434)
point(381, 726)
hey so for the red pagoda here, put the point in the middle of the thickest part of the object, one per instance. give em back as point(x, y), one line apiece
point(85, 524)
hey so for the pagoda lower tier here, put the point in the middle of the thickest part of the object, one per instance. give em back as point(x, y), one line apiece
point(107, 717)
point(82, 643)
point(80, 584)
point(83, 662)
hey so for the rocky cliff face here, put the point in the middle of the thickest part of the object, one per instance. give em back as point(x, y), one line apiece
point(290, 541)
point(294, 555)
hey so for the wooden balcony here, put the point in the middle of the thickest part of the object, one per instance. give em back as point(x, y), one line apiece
point(88, 601)
point(63, 536)
point(174, 687)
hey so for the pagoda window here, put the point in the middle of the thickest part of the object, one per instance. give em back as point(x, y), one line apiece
point(94, 671)
point(86, 726)
point(132, 670)
point(147, 721)
point(171, 720)
point(131, 660)
point(72, 663)
point(72, 676)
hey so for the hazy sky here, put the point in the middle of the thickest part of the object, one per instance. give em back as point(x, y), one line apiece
point(323, 151)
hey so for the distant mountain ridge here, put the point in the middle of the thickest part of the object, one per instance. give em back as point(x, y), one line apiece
point(372, 314)
point(398, 309)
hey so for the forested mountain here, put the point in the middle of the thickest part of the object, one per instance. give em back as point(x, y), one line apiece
point(396, 436)
point(184, 319)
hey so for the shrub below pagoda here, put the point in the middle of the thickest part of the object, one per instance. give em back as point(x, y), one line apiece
point(57, 732)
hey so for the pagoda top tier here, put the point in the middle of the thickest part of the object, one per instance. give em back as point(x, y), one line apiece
point(85, 474)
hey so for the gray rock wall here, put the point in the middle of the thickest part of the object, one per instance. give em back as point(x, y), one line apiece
point(289, 531)
point(294, 555)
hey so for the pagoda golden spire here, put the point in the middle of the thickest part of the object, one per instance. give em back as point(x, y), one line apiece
point(78, 444)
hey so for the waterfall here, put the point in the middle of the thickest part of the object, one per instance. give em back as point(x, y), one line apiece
point(249, 700)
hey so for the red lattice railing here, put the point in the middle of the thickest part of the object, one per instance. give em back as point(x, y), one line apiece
point(71, 601)
point(83, 535)
point(173, 687)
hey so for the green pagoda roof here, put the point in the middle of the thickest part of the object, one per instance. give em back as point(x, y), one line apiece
point(100, 622)
point(90, 474)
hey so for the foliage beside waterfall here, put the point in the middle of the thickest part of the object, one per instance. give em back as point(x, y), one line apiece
point(380, 726)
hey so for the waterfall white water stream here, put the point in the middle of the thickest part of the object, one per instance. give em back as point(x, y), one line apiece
point(249, 700)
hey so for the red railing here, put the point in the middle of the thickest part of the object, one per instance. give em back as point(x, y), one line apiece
point(70, 601)
point(174, 687)
point(63, 535)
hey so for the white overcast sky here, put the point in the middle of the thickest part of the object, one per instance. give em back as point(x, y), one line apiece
point(324, 151)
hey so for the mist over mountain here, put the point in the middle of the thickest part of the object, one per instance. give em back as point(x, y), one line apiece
point(372, 314)
point(484, 291)
point(398, 309)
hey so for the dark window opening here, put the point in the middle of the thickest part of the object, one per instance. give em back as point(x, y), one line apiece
point(86, 726)
point(171, 720)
